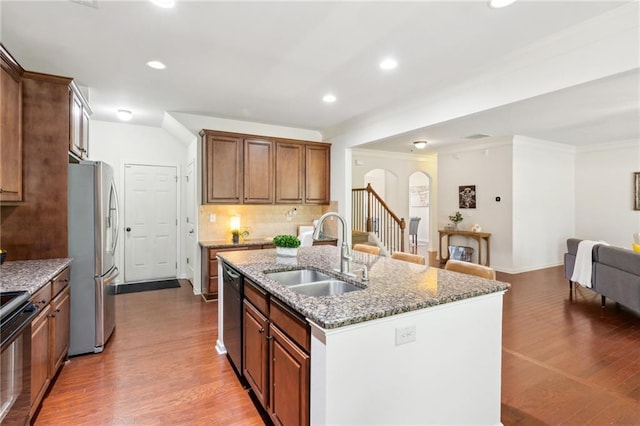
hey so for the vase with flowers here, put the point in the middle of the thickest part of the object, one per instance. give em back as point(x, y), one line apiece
point(456, 218)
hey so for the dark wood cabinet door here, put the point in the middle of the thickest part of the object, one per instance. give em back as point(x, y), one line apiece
point(255, 351)
point(222, 164)
point(317, 174)
point(40, 343)
point(258, 171)
point(84, 134)
point(289, 173)
point(10, 135)
point(61, 306)
point(75, 124)
point(289, 381)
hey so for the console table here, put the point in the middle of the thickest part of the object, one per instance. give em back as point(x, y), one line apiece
point(478, 236)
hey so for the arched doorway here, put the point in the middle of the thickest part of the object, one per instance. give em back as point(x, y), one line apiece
point(385, 183)
point(419, 206)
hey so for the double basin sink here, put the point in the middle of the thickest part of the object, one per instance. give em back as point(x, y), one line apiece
point(311, 283)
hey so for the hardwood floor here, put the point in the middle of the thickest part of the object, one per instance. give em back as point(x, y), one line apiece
point(565, 361)
point(159, 367)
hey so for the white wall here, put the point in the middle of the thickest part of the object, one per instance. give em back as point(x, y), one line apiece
point(118, 144)
point(488, 167)
point(604, 192)
point(543, 203)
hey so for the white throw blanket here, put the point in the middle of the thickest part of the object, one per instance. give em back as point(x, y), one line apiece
point(584, 260)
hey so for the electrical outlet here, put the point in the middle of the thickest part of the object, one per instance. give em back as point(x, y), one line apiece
point(212, 217)
point(405, 335)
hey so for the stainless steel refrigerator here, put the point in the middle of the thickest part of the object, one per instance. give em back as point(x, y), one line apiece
point(93, 238)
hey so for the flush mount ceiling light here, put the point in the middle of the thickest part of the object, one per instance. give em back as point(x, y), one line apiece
point(156, 65)
point(329, 98)
point(124, 115)
point(167, 4)
point(420, 144)
point(497, 4)
point(388, 64)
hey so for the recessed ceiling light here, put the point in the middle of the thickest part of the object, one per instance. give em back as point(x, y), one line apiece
point(124, 115)
point(497, 4)
point(156, 65)
point(167, 4)
point(329, 98)
point(388, 64)
point(420, 144)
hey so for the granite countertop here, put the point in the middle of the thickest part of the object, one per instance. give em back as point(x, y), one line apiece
point(30, 275)
point(228, 243)
point(243, 243)
point(394, 286)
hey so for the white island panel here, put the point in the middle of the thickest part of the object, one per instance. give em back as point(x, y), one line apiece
point(450, 374)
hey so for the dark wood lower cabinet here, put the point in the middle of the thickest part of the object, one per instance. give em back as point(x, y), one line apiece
point(289, 368)
point(49, 335)
point(40, 339)
point(276, 358)
point(256, 352)
point(61, 318)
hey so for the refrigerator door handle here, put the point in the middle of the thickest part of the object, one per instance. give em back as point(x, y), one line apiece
point(114, 218)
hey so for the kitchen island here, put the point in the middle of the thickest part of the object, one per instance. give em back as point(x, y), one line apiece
point(416, 345)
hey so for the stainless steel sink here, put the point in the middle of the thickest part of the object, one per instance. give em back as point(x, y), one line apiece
point(312, 283)
point(324, 288)
point(298, 276)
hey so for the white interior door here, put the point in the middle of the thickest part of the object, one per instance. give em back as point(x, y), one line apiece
point(150, 222)
point(190, 219)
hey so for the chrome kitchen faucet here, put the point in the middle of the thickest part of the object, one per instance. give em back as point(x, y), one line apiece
point(345, 255)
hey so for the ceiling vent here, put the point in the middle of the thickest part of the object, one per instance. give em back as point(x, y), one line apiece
point(477, 136)
point(90, 3)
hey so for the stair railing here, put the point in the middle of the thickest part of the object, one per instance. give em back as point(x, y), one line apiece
point(371, 214)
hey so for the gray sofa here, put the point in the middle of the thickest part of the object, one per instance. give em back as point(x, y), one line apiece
point(615, 272)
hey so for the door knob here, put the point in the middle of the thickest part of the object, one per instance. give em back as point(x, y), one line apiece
point(128, 229)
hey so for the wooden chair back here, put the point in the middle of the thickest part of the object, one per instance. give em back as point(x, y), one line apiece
point(408, 257)
point(470, 268)
point(365, 248)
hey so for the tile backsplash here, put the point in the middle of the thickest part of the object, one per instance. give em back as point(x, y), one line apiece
point(261, 221)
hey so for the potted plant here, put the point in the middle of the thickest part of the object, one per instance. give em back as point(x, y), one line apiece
point(456, 218)
point(286, 245)
point(235, 236)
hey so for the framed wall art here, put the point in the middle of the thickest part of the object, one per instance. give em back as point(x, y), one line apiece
point(467, 197)
point(636, 191)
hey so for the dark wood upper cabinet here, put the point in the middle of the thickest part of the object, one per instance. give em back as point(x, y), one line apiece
point(78, 123)
point(289, 173)
point(11, 130)
point(318, 169)
point(250, 169)
point(258, 171)
point(222, 168)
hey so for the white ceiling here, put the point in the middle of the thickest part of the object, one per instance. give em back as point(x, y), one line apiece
point(271, 62)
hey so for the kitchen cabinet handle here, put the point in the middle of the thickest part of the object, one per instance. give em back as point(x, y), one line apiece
point(128, 229)
point(51, 316)
point(43, 302)
point(269, 337)
point(261, 330)
point(58, 310)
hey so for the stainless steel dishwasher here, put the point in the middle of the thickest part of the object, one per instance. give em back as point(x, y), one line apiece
point(232, 315)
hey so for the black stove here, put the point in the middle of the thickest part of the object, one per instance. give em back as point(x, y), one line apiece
point(15, 311)
point(16, 314)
